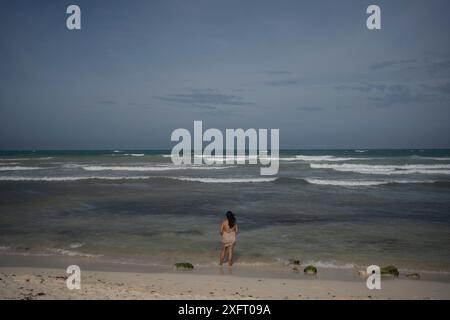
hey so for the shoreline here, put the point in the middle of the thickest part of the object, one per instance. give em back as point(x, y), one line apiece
point(28, 277)
point(274, 269)
point(138, 263)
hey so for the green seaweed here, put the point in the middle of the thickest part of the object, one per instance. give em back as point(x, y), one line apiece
point(294, 262)
point(184, 266)
point(390, 270)
point(310, 270)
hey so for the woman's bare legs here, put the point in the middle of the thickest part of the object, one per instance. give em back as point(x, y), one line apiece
point(222, 255)
point(230, 255)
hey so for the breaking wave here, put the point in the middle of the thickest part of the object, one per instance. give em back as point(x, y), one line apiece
point(71, 178)
point(225, 180)
point(148, 168)
point(361, 183)
point(327, 158)
point(222, 159)
point(18, 168)
point(188, 179)
point(25, 159)
point(72, 253)
point(386, 169)
point(134, 154)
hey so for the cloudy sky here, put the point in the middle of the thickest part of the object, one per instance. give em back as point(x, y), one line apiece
point(140, 69)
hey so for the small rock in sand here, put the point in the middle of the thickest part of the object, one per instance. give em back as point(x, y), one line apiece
point(414, 276)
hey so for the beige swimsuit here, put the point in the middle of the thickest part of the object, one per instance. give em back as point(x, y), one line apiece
point(228, 238)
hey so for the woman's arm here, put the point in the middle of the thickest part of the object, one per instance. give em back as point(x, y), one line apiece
point(221, 229)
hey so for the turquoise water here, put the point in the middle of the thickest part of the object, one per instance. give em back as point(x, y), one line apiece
point(331, 207)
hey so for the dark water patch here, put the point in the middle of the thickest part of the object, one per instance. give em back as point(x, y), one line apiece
point(290, 181)
point(441, 184)
point(190, 232)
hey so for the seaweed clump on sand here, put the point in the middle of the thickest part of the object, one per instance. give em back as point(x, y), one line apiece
point(294, 262)
point(310, 270)
point(184, 266)
point(390, 270)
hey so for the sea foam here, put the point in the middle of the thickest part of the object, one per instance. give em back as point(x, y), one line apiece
point(18, 168)
point(149, 168)
point(361, 183)
point(386, 169)
point(26, 159)
point(71, 178)
point(189, 179)
point(327, 158)
point(225, 180)
point(134, 154)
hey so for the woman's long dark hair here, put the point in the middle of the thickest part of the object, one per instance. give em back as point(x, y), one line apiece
point(231, 219)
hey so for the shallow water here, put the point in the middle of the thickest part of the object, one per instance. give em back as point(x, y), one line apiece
point(332, 208)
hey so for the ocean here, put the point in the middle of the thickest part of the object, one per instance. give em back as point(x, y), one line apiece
point(333, 208)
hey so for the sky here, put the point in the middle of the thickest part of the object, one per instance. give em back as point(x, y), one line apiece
point(137, 70)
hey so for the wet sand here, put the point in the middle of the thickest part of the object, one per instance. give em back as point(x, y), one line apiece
point(50, 283)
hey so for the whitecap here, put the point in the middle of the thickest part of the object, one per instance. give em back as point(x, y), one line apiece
point(134, 154)
point(224, 180)
point(386, 169)
point(327, 158)
point(76, 245)
point(71, 253)
point(18, 168)
point(149, 168)
point(25, 159)
point(359, 183)
point(71, 178)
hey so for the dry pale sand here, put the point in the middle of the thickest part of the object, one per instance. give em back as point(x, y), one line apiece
point(43, 283)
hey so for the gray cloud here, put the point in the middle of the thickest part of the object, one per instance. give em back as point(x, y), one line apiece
point(366, 88)
point(279, 72)
point(440, 88)
point(386, 95)
point(107, 102)
point(435, 65)
point(281, 82)
point(401, 97)
point(207, 99)
point(390, 63)
point(310, 109)
point(441, 67)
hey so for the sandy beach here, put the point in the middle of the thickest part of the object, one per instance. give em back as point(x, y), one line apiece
point(46, 283)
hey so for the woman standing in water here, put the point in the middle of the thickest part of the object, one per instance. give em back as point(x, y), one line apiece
point(228, 230)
